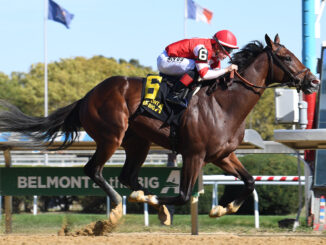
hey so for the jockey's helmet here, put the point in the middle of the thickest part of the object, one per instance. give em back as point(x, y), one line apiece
point(227, 39)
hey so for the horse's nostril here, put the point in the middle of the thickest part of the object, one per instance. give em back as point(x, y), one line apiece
point(316, 81)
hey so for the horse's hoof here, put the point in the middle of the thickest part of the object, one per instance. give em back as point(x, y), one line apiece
point(164, 215)
point(137, 196)
point(217, 211)
point(152, 200)
point(231, 208)
point(116, 214)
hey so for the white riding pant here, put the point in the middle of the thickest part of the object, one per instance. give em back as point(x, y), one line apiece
point(174, 65)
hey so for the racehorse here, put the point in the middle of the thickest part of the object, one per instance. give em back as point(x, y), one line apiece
point(211, 128)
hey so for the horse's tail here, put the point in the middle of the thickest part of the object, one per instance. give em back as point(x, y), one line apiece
point(41, 131)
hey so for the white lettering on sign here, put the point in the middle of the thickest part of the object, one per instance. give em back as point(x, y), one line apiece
point(172, 182)
point(39, 180)
point(149, 182)
point(34, 182)
point(64, 182)
point(52, 182)
point(153, 182)
point(76, 182)
point(22, 182)
point(114, 182)
point(86, 180)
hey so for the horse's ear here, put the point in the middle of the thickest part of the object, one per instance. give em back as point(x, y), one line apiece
point(277, 39)
point(269, 42)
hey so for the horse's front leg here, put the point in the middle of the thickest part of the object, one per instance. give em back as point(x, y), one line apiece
point(232, 165)
point(189, 174)
point(137, 149)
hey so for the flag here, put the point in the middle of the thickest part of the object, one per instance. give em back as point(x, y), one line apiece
point(59, 14)
point(198, 13)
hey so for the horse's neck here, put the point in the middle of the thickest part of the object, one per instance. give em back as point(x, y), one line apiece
point(243, 98)
point(257, 71)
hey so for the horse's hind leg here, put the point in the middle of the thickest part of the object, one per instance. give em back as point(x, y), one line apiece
point(94, 168)
point(136, 149)
point(232, 165)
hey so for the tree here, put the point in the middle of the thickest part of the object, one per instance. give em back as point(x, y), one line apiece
point(262, 117)
point(68, 80)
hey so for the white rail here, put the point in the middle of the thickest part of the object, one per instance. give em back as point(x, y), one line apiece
point(76, 158)
point(215, 180)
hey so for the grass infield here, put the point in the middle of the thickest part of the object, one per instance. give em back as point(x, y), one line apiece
point(51, 223)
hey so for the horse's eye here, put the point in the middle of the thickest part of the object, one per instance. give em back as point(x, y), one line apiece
point(287, 58)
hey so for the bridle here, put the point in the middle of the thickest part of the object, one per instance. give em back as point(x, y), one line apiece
point(273, 57)
point(294, 80)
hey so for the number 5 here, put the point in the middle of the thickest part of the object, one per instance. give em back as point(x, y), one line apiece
point(152, 87)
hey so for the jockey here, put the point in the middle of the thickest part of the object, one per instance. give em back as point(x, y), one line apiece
point(203, 55)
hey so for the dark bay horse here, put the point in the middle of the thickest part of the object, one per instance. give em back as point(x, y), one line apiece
point(211, 128)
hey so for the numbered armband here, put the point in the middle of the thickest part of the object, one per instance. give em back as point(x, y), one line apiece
point(202, 55)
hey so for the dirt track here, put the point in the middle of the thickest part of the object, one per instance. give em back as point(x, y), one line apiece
point(163, 239)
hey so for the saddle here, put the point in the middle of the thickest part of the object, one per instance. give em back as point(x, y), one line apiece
point(154, 104)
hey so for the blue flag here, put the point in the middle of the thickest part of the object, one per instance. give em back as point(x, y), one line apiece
point(59, 14)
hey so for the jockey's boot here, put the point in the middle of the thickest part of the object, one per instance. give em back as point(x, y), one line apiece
point(176, 96)
point(180, 91)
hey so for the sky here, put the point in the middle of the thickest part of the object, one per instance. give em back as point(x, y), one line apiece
point(137, 29)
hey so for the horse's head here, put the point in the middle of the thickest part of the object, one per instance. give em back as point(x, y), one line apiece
point(290, 70)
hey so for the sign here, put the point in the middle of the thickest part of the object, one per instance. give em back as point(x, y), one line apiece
point(55, 181)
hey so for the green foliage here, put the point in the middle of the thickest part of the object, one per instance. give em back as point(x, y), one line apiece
point(93, 204)
point(271, 164)
point(22, 204)
point(68, 80)
point(273, 199)
point(262, 117)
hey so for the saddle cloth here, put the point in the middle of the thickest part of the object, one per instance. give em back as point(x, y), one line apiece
point(155, 90)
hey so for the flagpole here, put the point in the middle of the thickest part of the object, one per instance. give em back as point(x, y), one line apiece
point(45, 60)
point(185, 20)
point(46, 8)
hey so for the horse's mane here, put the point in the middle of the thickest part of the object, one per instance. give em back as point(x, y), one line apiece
point(247, 54)
point(242, 59)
